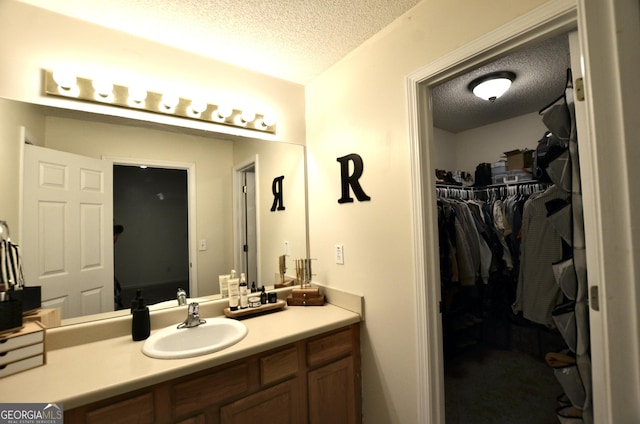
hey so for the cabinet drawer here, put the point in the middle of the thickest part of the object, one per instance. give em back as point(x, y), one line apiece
point(32, 333)
point(278, 366)
point(21, 353)
point(194, 395)
point(331, 347)
point(22, 365)
point(138, 409)
point(277, 404)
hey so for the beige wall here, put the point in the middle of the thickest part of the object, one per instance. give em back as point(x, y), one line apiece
point(14, 116)
point(489, 142)
point(465, 150)
point(275, 160)
point(359, 106)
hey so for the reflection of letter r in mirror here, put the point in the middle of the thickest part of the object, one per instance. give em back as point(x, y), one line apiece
point(276, 188)
point(351, 180)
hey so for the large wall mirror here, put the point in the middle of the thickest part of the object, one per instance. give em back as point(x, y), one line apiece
point(211, 170)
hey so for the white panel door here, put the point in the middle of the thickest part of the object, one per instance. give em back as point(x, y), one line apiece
point(67, 245)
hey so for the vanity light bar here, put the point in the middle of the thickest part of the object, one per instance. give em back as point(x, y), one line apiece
point(105, 92)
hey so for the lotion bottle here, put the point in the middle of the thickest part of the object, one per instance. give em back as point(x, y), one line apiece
point(244, 293)
point(140, 322)
point(234, 291)
point(223, 280)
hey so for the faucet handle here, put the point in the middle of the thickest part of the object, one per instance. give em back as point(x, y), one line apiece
point(193, 317)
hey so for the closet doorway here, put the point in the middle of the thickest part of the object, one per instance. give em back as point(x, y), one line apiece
point(425, 153)
point(494, 357)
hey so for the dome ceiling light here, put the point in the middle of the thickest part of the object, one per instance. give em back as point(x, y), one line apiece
point(491, 86)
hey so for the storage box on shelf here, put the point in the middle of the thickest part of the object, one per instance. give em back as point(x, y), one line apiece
point(499, 167)
point(519, 159)
point(23, 349)
point(512, 177)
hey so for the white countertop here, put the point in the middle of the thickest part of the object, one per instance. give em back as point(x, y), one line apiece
point(85, 373)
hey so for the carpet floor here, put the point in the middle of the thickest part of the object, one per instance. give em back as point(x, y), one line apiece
point(484, 386)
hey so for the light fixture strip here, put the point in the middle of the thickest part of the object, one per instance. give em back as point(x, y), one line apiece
point(84, 90)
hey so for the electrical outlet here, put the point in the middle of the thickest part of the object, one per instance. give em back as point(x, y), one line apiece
point(286, 248)
point(339, 251)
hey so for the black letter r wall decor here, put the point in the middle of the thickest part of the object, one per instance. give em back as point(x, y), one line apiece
point(351, 180)
point(278, 196)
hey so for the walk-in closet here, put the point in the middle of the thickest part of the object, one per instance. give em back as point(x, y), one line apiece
point(515, 331)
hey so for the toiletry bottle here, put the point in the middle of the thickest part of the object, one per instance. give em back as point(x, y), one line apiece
point(263, 296)
point(223, 280)
point(234, 291)
point(254, 289)
point(244, 293)
point(140, 323)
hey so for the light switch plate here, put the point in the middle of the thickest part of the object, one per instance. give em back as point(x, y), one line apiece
point(339, 252)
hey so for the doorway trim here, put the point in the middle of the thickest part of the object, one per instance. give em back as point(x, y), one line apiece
point(238, 169)
point(547, 20)
point(191, 202)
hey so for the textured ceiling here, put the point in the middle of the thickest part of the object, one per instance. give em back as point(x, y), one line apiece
point(294, 40)
point(540, 70)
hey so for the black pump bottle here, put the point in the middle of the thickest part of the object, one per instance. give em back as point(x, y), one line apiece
point(140, 323)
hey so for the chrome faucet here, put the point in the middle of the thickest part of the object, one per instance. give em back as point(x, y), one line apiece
point(182, 297)
point(193, 317)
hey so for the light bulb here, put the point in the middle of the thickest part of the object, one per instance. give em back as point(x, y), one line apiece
point(170, 100)
point(198, 105)
point(248, 115)
point(64, 78)
point(102, 86)
point(137, 93)
point(492, 86)
point(492, 89)
point(269, 119)
point(223, 112)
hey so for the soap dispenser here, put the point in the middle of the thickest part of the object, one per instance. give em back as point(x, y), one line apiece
point(140, 323)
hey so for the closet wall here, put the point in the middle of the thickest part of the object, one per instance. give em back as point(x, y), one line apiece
point(465, 150)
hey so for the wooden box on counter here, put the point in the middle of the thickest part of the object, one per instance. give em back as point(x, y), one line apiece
point(305, 297)
point(23, 349)
point(48, 317)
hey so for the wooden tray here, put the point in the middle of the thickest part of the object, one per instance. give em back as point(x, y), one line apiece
point(248, 312)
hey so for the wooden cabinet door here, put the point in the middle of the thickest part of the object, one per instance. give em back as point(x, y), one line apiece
point(139, 410)
point(277, 405)
point(332, 397)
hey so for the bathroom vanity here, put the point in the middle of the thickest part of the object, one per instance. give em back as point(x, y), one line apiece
point(301, 364)
point(315, 380)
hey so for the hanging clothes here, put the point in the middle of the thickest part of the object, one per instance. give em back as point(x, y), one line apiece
point(475, 232)
point(538, 293)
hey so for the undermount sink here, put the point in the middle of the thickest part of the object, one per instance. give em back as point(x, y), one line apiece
point(214, 335)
